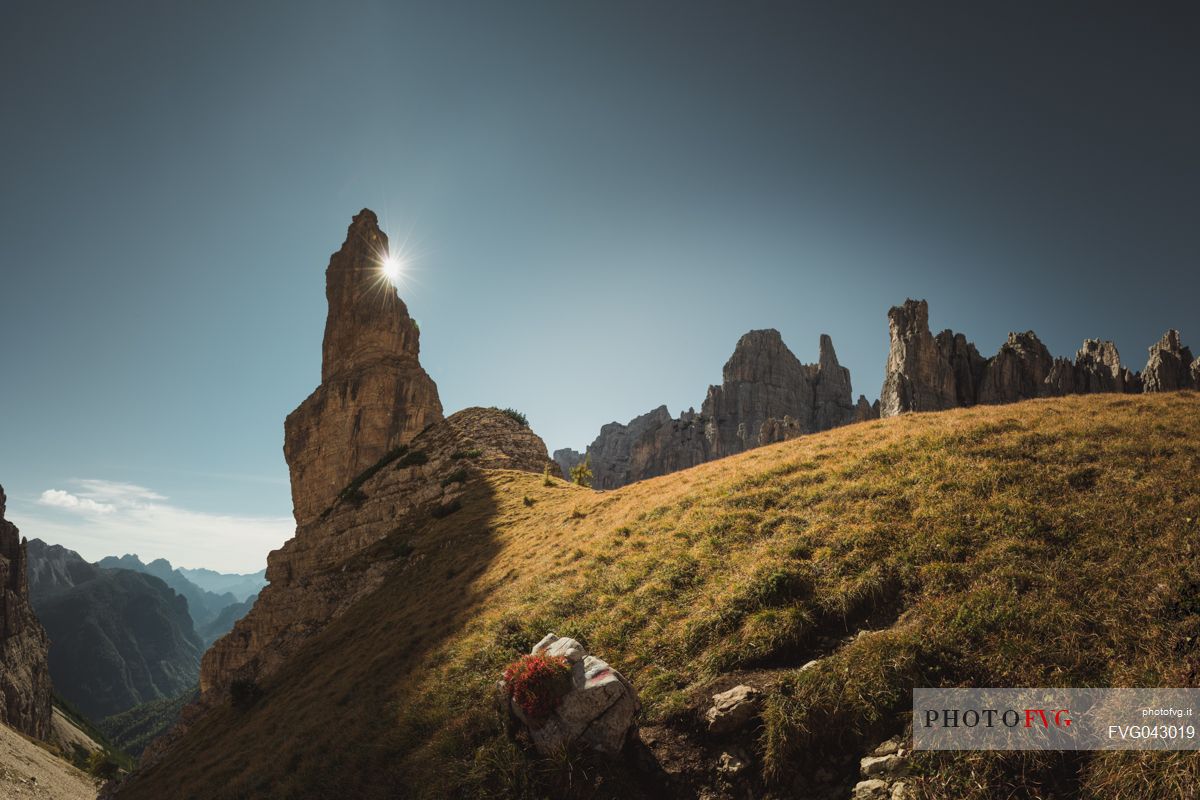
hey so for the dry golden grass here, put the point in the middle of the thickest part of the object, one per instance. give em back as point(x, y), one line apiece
point(1046, 543)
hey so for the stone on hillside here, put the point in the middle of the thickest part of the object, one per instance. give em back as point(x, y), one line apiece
point(732, 709)
point(1170, 366)
point(872, 789)
point(884, 765)
point(888, 748)
point(597, 712)
point(1196, 373)
point(731, 764)
point(899, 791)
point(919, 377)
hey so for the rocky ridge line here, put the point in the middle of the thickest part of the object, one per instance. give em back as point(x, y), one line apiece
point(766, 395)
point(928, 373)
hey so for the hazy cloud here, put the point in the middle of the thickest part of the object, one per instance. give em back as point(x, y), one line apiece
point(100, 517)
point(83, 505)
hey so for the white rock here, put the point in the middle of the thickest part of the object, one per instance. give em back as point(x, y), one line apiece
point(733, 709)
point(809, 665)
point(731, 764)
point(873, 789)
point(598, 711)
point(881, 765)
point(563, 646)
point(899, 790)
point(888, 748)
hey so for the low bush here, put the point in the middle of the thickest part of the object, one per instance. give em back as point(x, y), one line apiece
point(537, 683)
point(512, 413)
point(581, 473)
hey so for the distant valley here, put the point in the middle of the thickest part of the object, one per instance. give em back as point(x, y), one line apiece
point(126, 636)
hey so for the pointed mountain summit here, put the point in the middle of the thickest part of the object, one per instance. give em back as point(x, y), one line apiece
point(374, 396)
point(368, 323)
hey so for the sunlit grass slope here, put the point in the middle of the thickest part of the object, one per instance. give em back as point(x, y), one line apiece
point(1046, 543)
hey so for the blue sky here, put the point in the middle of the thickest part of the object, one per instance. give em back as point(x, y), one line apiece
point(601, 197)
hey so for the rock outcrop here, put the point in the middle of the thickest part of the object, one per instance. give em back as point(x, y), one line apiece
point(1170, 366)
point(766, 396)
point(864, 411)
point(24, 670)
point(930, 374)
point(919, 376)
point(309, 582)
point(374, 396)
point(764, 381)
point(1018, 371)
point(370, 455)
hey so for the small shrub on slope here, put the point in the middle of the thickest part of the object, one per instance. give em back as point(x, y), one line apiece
point(537, 683)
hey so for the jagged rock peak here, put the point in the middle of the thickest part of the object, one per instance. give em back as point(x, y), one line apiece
point(24, 672)
point(864, 410)
point(374, 396)
point(367, 320)
point(1018, 372)
point(919, 376)
point(827, 357)
point(1170, 365)
point(760, 355)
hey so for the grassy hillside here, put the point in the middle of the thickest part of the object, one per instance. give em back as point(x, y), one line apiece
point(1046, 543)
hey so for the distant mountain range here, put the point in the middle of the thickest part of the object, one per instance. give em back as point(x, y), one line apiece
point(204, 604)
point(125, 633)
point(240, 586)
point(118, 638)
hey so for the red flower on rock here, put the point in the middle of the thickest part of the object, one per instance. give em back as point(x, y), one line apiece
point(537, 683)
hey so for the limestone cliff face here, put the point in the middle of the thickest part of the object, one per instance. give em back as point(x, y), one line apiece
point(374, 395)
point(761, 380)
point(919, 375)
point(24, 672)
point(315, 576)
point(1170, 365)
point(952, 373)
point(766, 396)
point(1018, 371)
